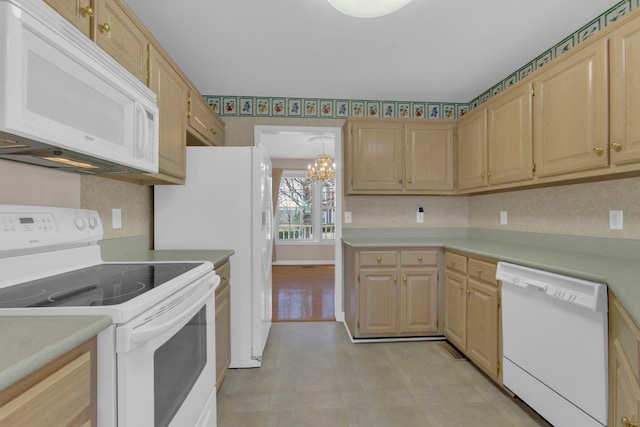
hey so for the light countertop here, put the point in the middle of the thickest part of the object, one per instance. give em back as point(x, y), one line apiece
point(29, 343)
point(611, 261)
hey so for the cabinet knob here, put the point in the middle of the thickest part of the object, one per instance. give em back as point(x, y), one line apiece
point(461, 287)
point(453, 263)
point(404, 279)
point(420, 258)
point(626, 422)
point(395, 279)
point(105, 27)
point(468, 292)
point(213, 131)
point(616, 147)
point(481, 174)
point(379, 259)
point(224, 278)
point(479, 271)
point(409, 181)
point(400, 182)
point(598, 151)
point(87, 11)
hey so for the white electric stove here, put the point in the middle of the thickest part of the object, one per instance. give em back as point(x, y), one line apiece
point(156, 362)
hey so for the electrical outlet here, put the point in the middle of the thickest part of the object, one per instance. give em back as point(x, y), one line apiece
point(615, 220)
point(347, 218)
point(116, 219)
point(420, 216)
point(503, 217)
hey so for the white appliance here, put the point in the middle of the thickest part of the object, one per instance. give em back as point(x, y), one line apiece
point(156, 362)
point(554, 333)
point(65, 103)
point(226, 204)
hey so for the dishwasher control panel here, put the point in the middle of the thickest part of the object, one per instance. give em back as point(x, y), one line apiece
point(584, 293)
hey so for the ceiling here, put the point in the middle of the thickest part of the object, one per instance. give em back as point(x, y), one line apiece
point(432, 50)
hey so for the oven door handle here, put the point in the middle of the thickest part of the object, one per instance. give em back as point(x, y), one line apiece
point(130, 336)
point(145, 334)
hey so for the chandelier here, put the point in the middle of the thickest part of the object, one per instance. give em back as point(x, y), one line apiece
point(368, 8)
point(323, 169)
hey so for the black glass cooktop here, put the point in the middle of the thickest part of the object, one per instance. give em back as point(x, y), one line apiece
point(102, 284)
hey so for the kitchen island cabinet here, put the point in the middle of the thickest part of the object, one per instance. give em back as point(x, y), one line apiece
point(391, 292)
point(624, 367)
point(472, 310)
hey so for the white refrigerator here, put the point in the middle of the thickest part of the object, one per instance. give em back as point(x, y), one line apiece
point(226, 203)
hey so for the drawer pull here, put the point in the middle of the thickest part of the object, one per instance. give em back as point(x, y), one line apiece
point(420, 258)
point(379, 259)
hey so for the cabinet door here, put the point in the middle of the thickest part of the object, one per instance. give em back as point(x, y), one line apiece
point(472, 150)
point(625, 391)
point(510, 137)
point(375, 153)
point(429, 156)
point(571, 113)
point(121, 37)
point(204, 126)
point(418, 301)
point(378, 305)
point(625, 93)
point(223, 330)
point(78, 12)
point(482, 326)
point(455, 307)
point(172, 94)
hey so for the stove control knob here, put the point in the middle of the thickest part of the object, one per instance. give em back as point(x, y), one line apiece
point(81, 223)
point(93, 222)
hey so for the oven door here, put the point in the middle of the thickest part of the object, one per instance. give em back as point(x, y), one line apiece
point(166, 362)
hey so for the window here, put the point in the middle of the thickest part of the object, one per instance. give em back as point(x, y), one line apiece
point(306, 209)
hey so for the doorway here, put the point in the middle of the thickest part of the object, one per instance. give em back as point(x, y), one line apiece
point(291, 143)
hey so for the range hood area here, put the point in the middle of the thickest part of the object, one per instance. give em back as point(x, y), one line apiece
point(65, 103)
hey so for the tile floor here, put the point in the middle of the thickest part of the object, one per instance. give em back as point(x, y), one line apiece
point(312, 375)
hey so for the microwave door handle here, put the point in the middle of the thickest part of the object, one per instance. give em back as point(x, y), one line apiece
point(144, 334)
point(142, 142)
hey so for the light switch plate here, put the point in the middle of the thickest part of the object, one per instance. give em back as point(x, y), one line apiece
point(116, 219)
point(347, 218)
point(503, 217)
point(616, 220)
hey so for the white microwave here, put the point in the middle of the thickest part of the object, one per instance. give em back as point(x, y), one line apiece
point(65, 103)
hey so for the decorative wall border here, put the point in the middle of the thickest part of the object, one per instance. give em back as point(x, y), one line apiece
point(586, 31)
point(323, 108)
point(341, 108)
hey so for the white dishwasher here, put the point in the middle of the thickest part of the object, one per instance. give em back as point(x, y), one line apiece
point(554, 332)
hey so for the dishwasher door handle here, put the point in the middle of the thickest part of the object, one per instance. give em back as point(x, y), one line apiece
point(537, 287)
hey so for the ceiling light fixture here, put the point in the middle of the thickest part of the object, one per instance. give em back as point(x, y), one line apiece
point(368, 8)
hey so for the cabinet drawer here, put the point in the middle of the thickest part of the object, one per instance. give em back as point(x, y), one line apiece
point(224, 271)
point(482, 270)
point(455, 262)
point(378, 259)
point(418, 258)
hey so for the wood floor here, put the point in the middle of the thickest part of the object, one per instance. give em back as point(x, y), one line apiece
point(303, 293)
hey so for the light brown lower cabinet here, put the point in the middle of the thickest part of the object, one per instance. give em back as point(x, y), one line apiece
point(223, 323)
point(624, 367)
point(62, 393)
point(472, 311)
point(392, 293)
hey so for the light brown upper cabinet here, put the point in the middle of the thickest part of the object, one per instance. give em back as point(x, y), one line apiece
point(625, 93)
point(571, 131)
point(387, 156)
point(173, 95)
point(78, 12)
point(510, 136)
point(205, 128)
point(472, 150)
point(119, 35)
